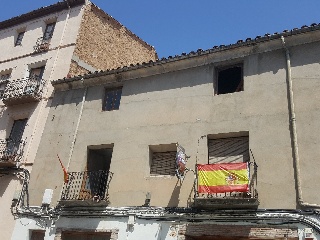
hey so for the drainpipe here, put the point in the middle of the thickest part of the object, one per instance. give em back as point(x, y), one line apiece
point(293, 128)
point(75, 132)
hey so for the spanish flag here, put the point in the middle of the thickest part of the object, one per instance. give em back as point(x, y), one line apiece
point(224, 177)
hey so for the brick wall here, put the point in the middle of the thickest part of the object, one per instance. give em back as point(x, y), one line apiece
point(188, 231)
point(104, 43)
point(76, 70)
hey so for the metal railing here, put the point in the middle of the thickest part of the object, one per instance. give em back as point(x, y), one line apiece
point(42, 45)
point(233, 198)
point(88, 185)
point(28, 87)
point(11, 150)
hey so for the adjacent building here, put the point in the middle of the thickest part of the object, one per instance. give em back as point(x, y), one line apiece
point(118, 134)
point(65, 39)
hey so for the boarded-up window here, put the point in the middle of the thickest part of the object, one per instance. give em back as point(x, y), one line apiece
point(228, 150)
point(37, 235)
point(163, 163)
point(86, 236)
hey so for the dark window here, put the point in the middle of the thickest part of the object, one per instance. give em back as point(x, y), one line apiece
point(112, 99)
point(36, 73)
point(19, 38)
point(98, 165)
point(230, 80)
point(3, 82)
point(163, 163)
point(49, 31)
point(86, 236)
point(37, 235)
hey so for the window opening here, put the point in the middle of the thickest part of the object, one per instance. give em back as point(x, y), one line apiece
point(35, 77)
point(86, 236)
point(112, 99)
point(19, 38)
point(36, 72)
point(49, 31)
point(228, 150)
point(163, 163)
point(3, 82)
point(37, 235)
point(230, 80)
point(15, 137)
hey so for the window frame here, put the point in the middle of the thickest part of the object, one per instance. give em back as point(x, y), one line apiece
point(48, 37)
point(169, 167)
point(219, 69)
point(19, 39)
point(115, 102)
point(4, 78)
point(36, 236)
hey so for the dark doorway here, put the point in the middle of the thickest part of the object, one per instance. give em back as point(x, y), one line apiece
point(98, 166)
point(14, 140)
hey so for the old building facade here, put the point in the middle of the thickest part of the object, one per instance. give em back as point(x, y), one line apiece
point(49, 43)
point(255, 101)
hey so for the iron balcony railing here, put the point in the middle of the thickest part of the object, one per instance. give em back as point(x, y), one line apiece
point(88, 185)
point(231, 199)
point(42, 45)
point(11, 151)
point(23, 90)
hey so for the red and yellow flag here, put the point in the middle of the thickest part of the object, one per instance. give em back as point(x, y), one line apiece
point(223, 177)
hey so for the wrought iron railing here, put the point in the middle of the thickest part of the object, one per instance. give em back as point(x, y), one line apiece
point(28, 87)
point(11, 150)
point(88, 185)
point(231, 198)
point(42, 45)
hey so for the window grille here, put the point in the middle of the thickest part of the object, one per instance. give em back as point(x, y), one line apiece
point(112, 99)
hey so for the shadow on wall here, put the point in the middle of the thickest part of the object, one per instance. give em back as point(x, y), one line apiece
point(174, 199)
point(8, 115)
point(5, 181)
point(169, 81)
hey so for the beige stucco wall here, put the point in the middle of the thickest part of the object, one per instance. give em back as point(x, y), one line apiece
point(19, 59)
point(180, 106)
point(104, 43)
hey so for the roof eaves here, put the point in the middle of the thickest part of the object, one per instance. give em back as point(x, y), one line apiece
point(199, 52)
point(40, 12)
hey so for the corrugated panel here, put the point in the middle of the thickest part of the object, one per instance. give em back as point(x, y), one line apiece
point(163, 163)
point(229, 150)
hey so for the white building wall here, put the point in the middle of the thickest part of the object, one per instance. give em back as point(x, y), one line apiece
point(118, 226)
point(19, 60)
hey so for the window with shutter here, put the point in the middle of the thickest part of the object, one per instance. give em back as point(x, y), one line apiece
point(228, 150)
point(163, 163)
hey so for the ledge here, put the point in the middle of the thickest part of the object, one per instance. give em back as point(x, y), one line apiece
point(226, 203)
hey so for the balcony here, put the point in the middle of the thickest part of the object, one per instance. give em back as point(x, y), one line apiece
point(86, 188)
point(231, 200)
point(23, 91)
point(42, 45)
point(10, 152)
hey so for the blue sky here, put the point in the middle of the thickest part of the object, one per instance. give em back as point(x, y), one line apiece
point(177, 26)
